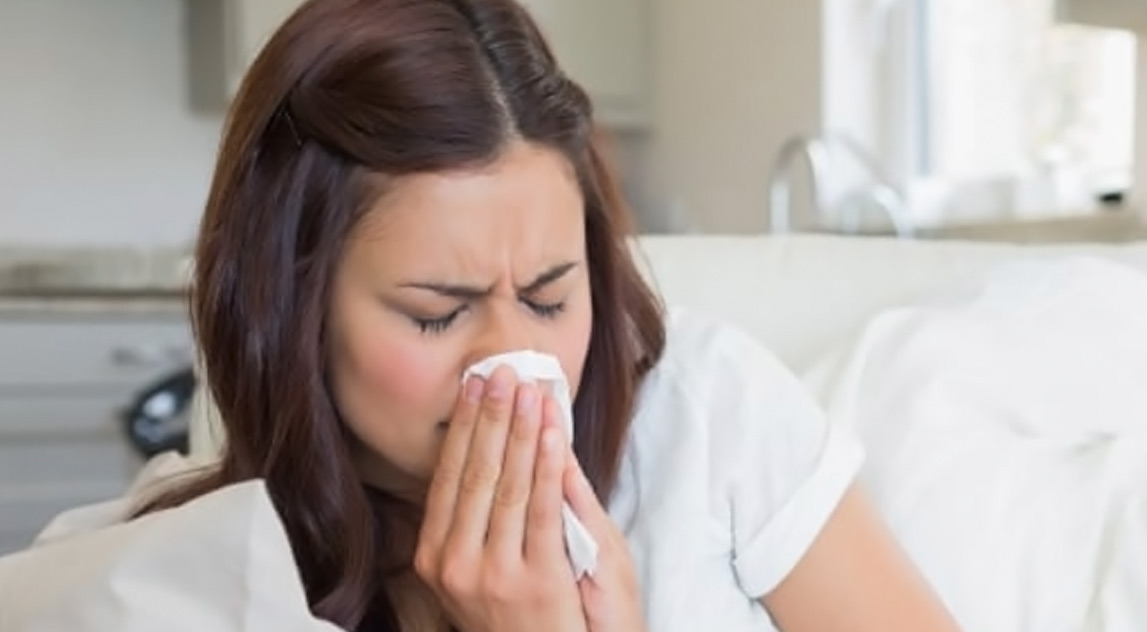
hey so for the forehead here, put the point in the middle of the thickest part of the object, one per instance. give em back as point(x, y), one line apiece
point(524, 203)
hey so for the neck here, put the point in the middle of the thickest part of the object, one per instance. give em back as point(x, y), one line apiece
point(381, 475)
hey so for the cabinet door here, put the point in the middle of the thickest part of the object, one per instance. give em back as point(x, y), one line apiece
point(603, 45)
point(1117, 14)
point(64, 377)
point(95, 352)
point(248, 24)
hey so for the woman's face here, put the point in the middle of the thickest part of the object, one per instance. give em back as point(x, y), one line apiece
point(446, 269)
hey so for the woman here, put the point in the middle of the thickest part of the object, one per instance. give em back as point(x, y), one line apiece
point(407, 186)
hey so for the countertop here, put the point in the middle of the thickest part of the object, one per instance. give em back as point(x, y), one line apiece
point(124, 280)
point(1109, 226)
point(37, 280)
point(120, 307)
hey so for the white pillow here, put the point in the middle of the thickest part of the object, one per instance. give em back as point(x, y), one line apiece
point(221, 562)
point(1006, 427)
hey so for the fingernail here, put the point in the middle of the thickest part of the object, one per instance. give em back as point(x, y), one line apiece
point(498, 386)
point(547, 386)
point(473, 388)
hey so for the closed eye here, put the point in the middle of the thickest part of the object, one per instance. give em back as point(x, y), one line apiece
point(438, 324)
point(545, 310)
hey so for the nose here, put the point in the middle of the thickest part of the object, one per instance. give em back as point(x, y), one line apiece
point(503, 330)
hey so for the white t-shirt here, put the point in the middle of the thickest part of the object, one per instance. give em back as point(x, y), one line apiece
point(730, 472)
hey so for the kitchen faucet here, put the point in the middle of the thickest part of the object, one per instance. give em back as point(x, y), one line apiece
point(814, 150)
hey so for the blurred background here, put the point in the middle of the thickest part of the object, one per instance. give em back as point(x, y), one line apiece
point(1004, 120)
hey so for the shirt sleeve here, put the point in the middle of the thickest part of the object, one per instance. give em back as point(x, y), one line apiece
point(782, 468)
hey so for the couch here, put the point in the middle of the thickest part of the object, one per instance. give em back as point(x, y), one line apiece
point(809, 298)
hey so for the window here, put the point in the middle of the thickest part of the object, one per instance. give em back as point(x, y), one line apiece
point(1009, 113)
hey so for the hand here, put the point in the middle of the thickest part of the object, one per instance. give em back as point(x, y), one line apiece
point(611, 596)
point(491, 542)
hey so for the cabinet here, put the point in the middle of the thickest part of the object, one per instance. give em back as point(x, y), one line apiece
point(224, 38)
point(247, 26)
point(604, 45)
point(65, 375)
point(1117, 14)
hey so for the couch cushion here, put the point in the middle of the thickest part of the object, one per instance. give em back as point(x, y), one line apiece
point(800, 294)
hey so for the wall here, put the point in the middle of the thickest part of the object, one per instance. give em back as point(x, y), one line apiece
point(99, 145)
point(1139, 192)
point(732, 80)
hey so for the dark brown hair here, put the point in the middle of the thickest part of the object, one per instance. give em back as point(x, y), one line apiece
point(345, 95)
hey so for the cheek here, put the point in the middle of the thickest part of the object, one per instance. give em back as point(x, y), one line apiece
point(399, 369)
point(398, 379)
point(392, 390)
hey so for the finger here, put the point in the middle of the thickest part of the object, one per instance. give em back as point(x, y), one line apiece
point(443, 491)
point(483, 463)
point(544, 542)
point(579, 493)
point(508, 516)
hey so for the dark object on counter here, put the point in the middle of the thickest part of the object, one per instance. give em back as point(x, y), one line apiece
point(1112, 199)
point(156, 420)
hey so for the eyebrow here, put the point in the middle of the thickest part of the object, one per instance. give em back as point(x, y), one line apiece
point(469, 292)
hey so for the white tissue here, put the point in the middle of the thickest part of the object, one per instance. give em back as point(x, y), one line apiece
point(531, 366)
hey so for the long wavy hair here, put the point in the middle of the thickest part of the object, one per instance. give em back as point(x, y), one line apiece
point(345, 96)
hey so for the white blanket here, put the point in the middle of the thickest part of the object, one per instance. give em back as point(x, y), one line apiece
point(221, 562)
point(1006, 425)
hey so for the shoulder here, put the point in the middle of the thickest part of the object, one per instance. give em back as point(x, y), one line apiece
point(726, 435)
point(719, 399)
point(712, 365)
